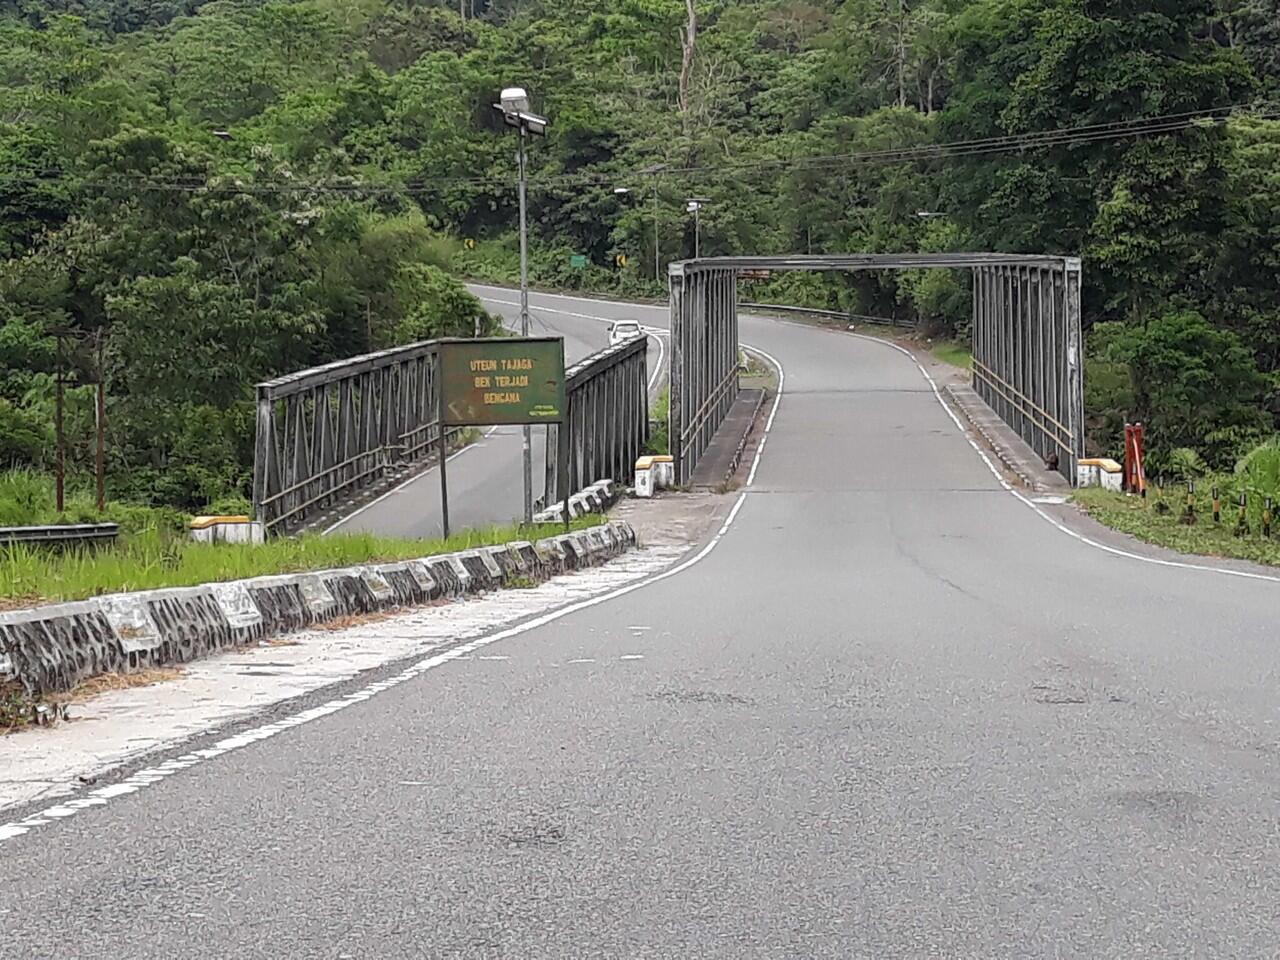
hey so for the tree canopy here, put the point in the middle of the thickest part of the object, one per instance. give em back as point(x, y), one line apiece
point(221, 191)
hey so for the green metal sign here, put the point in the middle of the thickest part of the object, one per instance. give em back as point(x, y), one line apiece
point(498, 381)
point(577, 260)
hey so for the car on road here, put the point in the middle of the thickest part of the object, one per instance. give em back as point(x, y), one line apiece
point(621, 330)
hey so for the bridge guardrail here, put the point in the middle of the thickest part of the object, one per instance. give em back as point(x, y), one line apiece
point(606, 420)
point(325, 433)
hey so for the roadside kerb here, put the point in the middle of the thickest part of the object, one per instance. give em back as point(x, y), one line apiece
point(597, 498)
point(52, 648)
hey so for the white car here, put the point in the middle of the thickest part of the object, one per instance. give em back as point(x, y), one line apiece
point(621, 330)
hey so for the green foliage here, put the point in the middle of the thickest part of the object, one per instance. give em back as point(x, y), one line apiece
point(659, 439)
point(1259, 470)
point(363, 147)
point(1187, 374)
point(157, 555)
point(1143, 519)
point(1186, 463)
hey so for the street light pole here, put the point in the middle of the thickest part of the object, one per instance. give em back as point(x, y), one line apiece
point(524, 325)
point(514, 107)
point(694, 205)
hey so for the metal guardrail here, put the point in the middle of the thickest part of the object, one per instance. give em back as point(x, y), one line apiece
point(60, 534)
point(837, 314)
point(704, 357)
point(1027, 341)
point(606, 420)
point(325, 433)
point(1027, 354)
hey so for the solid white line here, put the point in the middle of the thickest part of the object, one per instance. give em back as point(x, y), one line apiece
point(396, 489)
point(561, 296)
point(656, 332)
point(1030, 503)
point(773, 412)
point(144, 778)
point(662, 352)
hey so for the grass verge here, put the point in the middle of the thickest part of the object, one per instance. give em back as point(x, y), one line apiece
point(956, 354)
point(156, 558)
point(659, 442)
point(1142, 518)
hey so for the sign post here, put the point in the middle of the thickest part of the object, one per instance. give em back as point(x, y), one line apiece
point(495, 382)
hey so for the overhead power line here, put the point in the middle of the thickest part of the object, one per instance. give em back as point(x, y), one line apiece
point(957, 149)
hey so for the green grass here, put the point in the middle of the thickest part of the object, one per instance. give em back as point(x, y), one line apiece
point(1141, 518)
point(956, 354)
point(659, 443)
point(156, 557)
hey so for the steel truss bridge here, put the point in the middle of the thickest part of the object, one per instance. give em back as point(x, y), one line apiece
point(1027, 342)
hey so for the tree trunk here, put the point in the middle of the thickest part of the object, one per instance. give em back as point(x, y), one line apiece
point(902, 53)
point(688, 45)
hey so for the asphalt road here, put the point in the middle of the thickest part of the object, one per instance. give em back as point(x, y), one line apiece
point(486, 478)
point(893, 713)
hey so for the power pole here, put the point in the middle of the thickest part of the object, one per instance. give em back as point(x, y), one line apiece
point(60, 469)
point(100, 460)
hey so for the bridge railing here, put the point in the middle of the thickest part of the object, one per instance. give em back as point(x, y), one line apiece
point(1027, 342)
point(326, 433)
point(606, 420)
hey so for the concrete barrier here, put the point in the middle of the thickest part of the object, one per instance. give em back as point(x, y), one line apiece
point(597, 498)
point(53, 648)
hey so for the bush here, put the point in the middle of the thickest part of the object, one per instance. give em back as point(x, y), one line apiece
point(1187, 374)
point(1259, 470)
point(23, 437)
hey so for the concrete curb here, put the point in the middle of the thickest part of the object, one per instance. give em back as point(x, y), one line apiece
point(53, 648)
point(1002, 440)
point(597, 498)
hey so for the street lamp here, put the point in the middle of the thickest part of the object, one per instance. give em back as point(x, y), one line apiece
point(927, 214)
point(694, 205)
point(514, 106)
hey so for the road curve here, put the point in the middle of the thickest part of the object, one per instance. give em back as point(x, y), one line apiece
point(889, 712)
point(485, 478)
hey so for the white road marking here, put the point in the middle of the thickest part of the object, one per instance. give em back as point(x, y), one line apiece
point(144, 778)
point(656, 332)
point(582, 660)
point(632, 656)
point(1031, 504)
point(414, 479)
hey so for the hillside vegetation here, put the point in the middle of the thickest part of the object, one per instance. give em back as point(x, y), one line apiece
point(216, 192)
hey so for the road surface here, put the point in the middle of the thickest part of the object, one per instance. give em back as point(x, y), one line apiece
point(486, 484)
point(890, 711)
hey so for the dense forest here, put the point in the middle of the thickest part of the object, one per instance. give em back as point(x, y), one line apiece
point(198, 195)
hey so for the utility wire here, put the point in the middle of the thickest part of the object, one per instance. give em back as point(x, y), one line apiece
point(228, 184)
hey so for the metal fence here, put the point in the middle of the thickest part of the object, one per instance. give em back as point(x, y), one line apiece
point(704, 357)
point(607, 420)
point(326, 433)
point(1027, 348)
point(1027, 342)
